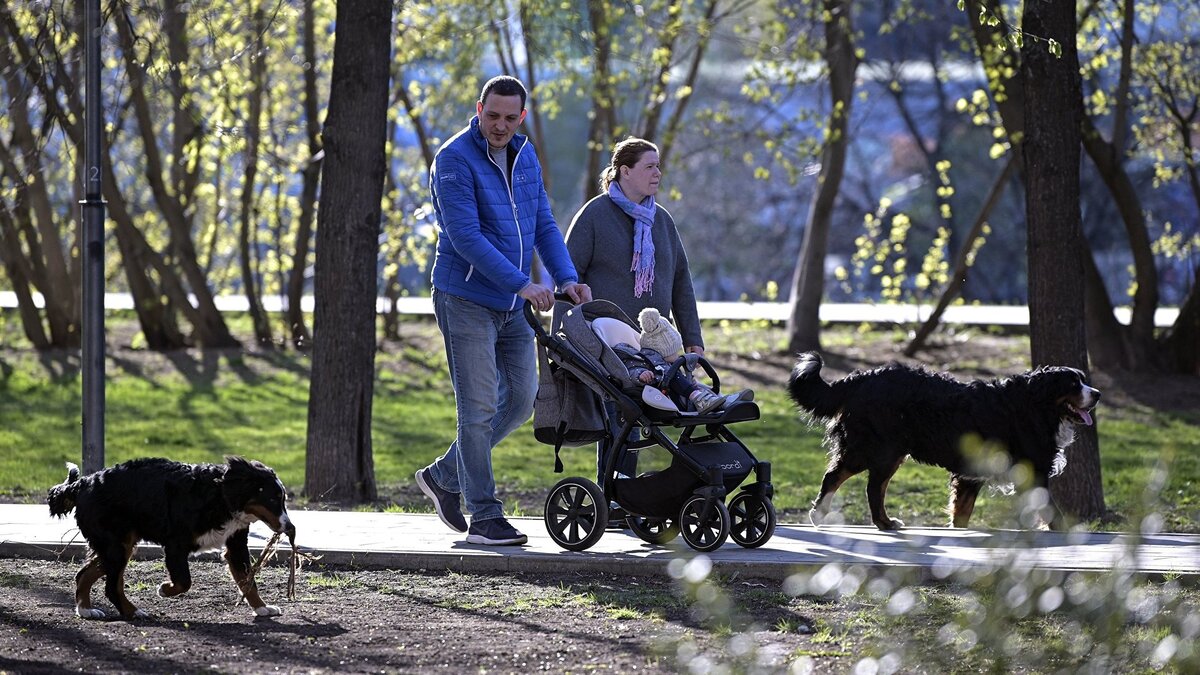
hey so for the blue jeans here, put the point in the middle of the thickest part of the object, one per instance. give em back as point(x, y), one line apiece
point(493, 367)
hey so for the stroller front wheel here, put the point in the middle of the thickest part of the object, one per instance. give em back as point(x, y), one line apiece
point(704, 523)
point(576, 513)
point(753, 519)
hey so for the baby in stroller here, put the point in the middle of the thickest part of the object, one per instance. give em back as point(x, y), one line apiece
point(650, 361)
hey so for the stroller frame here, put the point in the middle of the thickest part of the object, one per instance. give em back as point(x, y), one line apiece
point(708, 462)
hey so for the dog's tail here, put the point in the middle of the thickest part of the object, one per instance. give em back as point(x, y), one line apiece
point(809, 392)
point(61, 497)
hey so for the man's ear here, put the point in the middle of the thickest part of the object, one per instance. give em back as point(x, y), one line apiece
point(523, 111)
point(479, 108)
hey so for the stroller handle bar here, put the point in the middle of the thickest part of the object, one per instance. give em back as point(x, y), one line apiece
point(530, 317)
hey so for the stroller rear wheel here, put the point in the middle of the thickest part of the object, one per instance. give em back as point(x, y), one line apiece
point(576, 513)
point(753, 519)
point(653, 530)
point(704, 523)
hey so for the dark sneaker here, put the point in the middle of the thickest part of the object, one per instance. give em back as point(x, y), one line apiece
point(446, 503)
point(494, 532)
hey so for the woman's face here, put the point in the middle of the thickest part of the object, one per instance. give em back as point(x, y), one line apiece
point(641, 180)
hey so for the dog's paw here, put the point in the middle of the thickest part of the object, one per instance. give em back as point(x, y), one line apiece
point(268, 610)
point(169, 590)
point(140, 614)
point(819, 516)
point(890, 524)
point(89, 613)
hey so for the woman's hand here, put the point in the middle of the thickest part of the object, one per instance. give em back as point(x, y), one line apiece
point(578, 292)
point(695, 349)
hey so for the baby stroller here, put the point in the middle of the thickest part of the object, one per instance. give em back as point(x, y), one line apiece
point(708, 462)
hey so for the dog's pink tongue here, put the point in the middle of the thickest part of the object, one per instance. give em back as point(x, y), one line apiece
point(1087, 418)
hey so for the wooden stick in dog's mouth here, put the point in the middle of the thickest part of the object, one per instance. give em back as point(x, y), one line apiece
point(269, 552)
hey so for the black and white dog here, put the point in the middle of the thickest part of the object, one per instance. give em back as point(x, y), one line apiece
point(876, 419)
point(182, 507)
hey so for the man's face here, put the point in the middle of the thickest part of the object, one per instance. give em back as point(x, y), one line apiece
point(499, 117)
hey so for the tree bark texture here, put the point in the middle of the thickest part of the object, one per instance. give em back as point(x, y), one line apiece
point(339, 464)
point(1052, 145)
point(808, 283)
point(297, 325)
point(249, 208)
point(602, 122)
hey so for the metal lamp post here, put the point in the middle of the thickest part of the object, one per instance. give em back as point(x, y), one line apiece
point(92, 367)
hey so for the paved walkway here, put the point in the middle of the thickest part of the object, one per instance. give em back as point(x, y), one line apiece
point(415, 541)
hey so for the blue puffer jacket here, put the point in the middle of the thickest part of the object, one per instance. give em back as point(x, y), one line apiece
point(489, 232)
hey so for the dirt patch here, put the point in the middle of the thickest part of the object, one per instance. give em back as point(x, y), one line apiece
point(350, 621)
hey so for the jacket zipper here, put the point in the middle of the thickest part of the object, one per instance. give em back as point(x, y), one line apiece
point(512, 202)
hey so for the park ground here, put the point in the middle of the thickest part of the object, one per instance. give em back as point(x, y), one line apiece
point(350, 620)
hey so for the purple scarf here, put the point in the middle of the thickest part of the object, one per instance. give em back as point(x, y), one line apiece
point(643, 242)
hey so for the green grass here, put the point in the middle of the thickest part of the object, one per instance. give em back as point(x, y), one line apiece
point(199, 407)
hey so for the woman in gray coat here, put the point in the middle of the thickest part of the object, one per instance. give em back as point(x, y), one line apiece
point(625, 245)
point(626, 248)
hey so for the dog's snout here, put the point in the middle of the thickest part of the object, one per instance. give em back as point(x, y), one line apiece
point(286, 526)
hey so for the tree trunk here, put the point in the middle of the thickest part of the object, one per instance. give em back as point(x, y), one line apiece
point(308, 192)
point(667, 140)
point(339, 464)
point(1053, 115)
point(527, 12)
point(1106, 158)
point(1183, 342)
point(155, 314)
point(808, 283)
point(664, 54)
point(250, 285)
point(17, 269)
point(602, 121)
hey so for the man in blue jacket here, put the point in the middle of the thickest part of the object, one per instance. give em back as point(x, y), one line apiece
point(492, 212)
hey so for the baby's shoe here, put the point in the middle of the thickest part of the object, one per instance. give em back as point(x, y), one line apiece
point(706, 401)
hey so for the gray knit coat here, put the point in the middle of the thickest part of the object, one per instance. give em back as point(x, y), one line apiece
point(600, 241)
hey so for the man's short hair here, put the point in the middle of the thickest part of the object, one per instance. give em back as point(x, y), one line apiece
point(503, 85)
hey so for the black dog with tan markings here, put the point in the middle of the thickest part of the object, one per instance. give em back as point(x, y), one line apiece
point(876, 419)
point(184, 508)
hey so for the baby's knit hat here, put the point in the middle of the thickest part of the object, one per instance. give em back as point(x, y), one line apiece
point(658, 333)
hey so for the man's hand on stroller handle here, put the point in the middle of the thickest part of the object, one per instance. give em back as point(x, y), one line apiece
point(542, 298)
point(539, 296)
